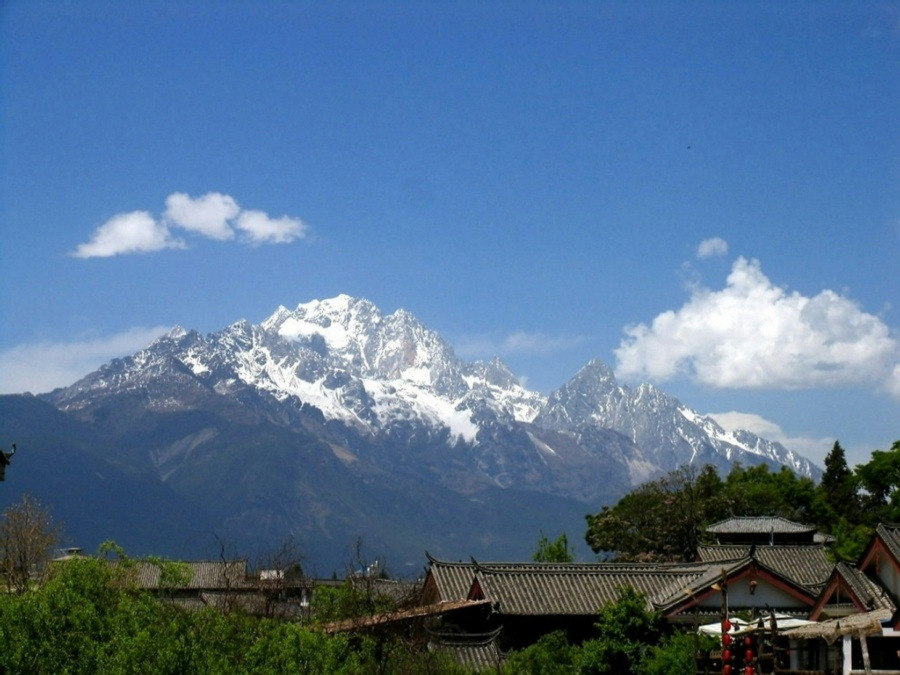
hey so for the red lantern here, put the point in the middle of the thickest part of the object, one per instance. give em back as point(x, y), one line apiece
point(726, 669)
point(726, 625)
point(748, 670)
point(726, 639)
point(726, 655)
point(749, 655)
point(748, 641)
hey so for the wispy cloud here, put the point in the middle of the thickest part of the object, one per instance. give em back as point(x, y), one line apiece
point(811, 448)
point(753, 334)
point(44, 366)
point(516, 343)
point(261, 229)
point(214, 216)
point(712, 247)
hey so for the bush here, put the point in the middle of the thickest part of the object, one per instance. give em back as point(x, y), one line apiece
point(675, 654)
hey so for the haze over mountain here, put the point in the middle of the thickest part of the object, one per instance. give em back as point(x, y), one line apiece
point(334, 421)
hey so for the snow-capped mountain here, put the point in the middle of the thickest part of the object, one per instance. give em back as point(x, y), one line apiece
point(669, 432)
point(341, 356)
point(373, 372)
point(321, 411)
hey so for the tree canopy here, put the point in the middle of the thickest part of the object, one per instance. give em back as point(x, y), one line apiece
point(553, 551)
point(28, 535)
point(665, 519)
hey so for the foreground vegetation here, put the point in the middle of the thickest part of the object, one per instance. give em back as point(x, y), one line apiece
point(89, 617)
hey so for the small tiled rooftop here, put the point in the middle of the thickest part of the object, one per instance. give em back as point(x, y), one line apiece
point(758, 525)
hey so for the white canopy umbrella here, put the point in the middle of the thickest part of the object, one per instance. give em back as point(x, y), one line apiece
point(740, 626)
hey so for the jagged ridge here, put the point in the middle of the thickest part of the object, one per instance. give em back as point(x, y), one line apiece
point(384, 374)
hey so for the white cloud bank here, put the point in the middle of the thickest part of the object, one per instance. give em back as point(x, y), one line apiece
point(214, 216)
point(42, 367)
point(752, 334)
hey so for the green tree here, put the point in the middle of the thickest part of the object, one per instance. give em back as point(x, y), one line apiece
point(661, 519)
point(665, 519)
point(91, 618)
point(353, 599)
point(626, 630)
point(758, 491)
point(553, 551)
point(880, 481)
point(839, 485)
point(850, 539)
point(550, 655)
point(674, 655)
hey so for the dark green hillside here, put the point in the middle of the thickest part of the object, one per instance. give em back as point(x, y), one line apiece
point(182, 484)
point(58, 462)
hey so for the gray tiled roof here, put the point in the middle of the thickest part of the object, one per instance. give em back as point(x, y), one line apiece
point(718, 553)
point(202, 575)
point(758, 525)
point(581, 589)
point(867, 591)
point(476, 657)
point(453, 579)
point(804, 565)
point(478, 652)
point(890, 535)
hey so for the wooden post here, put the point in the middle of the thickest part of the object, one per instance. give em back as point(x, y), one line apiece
point(724, 584)
point(773, 628)
point(865, 652)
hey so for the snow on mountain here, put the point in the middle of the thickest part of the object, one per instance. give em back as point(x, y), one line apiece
point(375, 372)
point(669, 432)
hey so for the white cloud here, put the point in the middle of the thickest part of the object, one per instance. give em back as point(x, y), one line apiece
point(207, 215)
point(714, 246)
point(517, 342)
point(261, 229)
point(214, 216)
point(134, 232)
point(811, 448)
point(752, 334)
point(44, 366)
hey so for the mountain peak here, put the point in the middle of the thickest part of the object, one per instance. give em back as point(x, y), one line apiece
point(338, 306)
point(378, 373)
point(177, 332)
point(599, 371)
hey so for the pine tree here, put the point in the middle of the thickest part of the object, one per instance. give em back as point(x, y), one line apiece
point(839, 485)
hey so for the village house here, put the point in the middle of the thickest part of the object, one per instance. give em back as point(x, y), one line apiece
point(771, 571)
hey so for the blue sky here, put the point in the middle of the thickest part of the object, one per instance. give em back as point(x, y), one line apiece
point(703, 195)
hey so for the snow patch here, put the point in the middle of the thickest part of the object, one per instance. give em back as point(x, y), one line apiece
point(193, 361)
point(395, 396)
point(540, 445)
